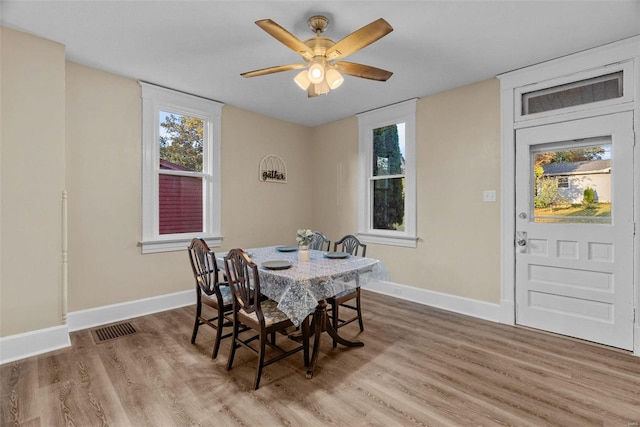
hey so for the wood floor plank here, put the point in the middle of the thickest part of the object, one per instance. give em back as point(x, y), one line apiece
point(19, 392)
point(420, 366)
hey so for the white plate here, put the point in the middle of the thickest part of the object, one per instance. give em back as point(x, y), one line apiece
point(286, 248)
point(336, 255)
point(277, 265)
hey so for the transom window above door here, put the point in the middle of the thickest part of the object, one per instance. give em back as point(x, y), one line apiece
point(601, 87)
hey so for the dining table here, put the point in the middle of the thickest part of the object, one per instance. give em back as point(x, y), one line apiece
point(301, 287)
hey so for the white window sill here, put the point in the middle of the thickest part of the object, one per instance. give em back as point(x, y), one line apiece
point(172, 245)
point(404, 241)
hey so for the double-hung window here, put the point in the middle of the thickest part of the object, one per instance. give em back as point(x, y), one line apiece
point(180, 169)
point(387, 201)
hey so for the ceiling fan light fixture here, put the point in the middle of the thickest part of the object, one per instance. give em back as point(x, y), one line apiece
point(302, 80)
point(334, 78)
point(322, 73)
point(316, 72)
point(322, 88)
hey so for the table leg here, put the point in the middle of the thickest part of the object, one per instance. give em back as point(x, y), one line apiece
point(321, 322)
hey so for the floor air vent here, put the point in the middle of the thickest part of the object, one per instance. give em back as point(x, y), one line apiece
point(112, 332)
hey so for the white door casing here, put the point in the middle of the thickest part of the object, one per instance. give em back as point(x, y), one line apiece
point(576, 279)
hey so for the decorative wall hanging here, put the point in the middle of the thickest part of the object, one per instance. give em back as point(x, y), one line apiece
point(273, 169)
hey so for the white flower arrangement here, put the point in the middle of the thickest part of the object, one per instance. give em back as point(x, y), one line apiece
point(303, 237)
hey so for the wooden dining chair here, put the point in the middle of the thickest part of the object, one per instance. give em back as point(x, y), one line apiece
point(261, 314)
point(318, 242)
point(210, 292)
point(353, 246)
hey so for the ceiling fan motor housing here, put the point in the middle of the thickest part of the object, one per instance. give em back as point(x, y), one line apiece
point(318, 23)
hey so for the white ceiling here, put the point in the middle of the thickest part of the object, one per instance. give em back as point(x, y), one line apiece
point(201, 47)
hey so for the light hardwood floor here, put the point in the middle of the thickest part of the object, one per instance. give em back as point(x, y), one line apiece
point(419, 366)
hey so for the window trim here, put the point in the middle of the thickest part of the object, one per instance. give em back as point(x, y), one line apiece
point(625, 67)
point(403, 112)
point(564, 180)
point(154, 100)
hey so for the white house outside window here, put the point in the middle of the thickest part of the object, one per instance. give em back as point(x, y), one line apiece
point(180, 170)
point(387, 204)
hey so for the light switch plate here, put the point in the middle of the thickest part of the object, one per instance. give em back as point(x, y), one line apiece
point(489, 196)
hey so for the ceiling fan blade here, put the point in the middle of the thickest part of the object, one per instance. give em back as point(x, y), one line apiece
point(363, 71)
point(285, 37)
point(359, 39)
point(271, 70)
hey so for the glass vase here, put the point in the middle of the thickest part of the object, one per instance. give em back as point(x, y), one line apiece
point(303, 253)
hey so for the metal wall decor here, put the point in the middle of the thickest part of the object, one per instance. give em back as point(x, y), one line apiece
point(273, 169)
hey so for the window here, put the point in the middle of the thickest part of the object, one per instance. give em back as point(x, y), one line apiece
point(180, 170)
point(563, 182)
point(572, 182)
point(387, 205)
point(595, 89)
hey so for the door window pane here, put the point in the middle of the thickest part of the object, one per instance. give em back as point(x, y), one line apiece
point(574, 185)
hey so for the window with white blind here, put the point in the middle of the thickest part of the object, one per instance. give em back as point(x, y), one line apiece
point(181, 169)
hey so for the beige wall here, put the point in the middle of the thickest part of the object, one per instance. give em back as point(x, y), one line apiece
point(256, 213)
point(104, 182)
point(458, 157)
point(32, 181)
point(335, 187)
point(99, 163)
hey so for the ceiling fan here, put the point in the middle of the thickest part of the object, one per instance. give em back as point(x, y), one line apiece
point(321, 72)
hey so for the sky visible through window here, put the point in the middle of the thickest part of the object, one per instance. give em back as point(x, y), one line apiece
point(400, 127)
point(163, 116)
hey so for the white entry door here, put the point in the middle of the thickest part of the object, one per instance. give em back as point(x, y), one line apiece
point(574, 260)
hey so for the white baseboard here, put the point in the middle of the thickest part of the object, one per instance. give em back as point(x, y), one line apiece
point(470, 307)
point(89, 318)
point(16, 347)
point(20, 346)
point(507, 312)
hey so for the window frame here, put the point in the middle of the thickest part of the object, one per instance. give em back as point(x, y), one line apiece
point(403, 112)
point(563, 182)
point(626, 67)
point(154, 100)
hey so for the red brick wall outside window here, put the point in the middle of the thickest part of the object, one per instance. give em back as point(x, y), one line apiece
point(180, 200)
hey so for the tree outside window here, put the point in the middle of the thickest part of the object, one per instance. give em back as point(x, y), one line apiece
point(388, 187)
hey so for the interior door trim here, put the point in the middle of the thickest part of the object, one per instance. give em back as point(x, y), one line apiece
point(624, 50)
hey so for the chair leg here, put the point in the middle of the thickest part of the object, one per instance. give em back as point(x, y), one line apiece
point(197, 324)
point(216, 345)
point(305, 340)
point(334, 319)
point(234, 338)
point(263, 338)
point(359, 311)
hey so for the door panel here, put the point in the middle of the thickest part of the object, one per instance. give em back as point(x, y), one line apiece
point(574, 261)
